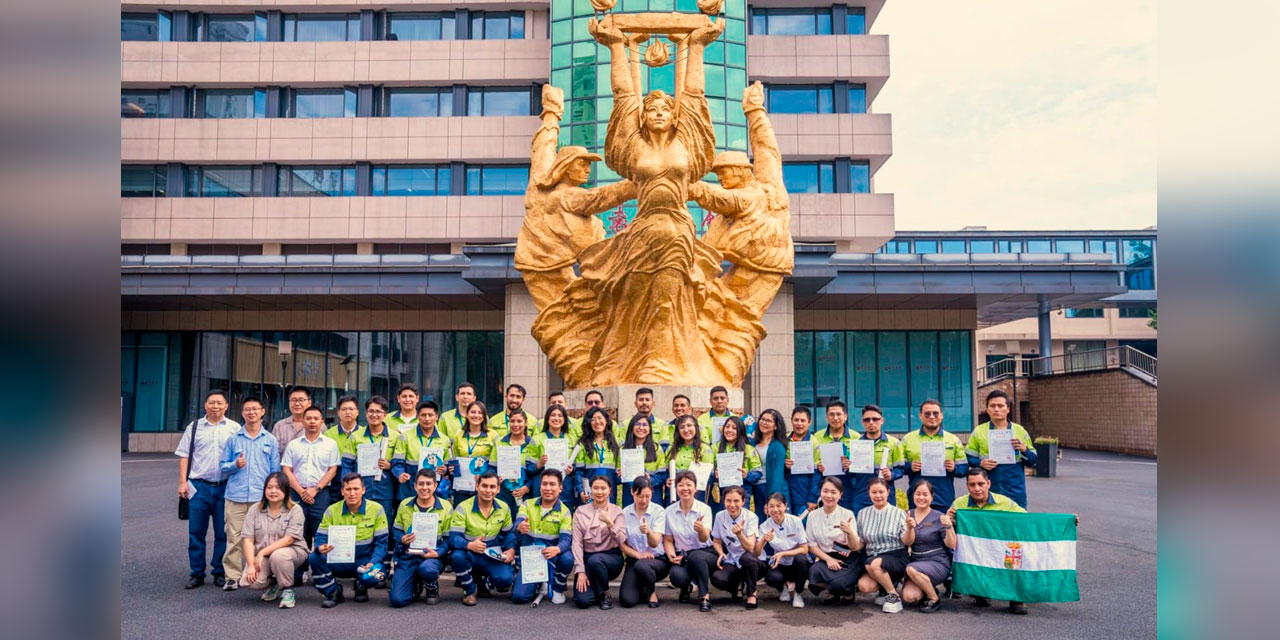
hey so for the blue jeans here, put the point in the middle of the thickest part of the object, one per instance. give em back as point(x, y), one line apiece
point(408, 572)
point(468, 565)
point(324, 575)
point(207, 504)
point(559, 567)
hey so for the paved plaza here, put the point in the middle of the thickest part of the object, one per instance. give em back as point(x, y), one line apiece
point(1115, 497)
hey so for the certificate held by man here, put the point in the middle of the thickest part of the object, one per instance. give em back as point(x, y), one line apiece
point(729, 468)
point(801, 456)
point(933, 459)
point(426, 530)
point(830, 454)
point(343, 539)
point(533, 567)
point(862, 456)
point(1000, 446)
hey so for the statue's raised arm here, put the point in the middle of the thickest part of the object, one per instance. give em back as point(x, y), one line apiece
point(767, 158)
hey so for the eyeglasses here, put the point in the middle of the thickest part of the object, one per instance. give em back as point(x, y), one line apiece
point(930, 414)
point(375, 412)
point(297, 400)
point(873, 419)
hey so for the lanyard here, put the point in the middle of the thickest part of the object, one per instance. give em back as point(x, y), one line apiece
point(430, 439)
point(599, 452)
point(471, 448)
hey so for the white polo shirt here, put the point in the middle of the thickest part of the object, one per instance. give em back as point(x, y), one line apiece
point(679, 525)
point(657, 518)
point(786, 536)
point(210, 438)
point(723, 531)
point(310, 459)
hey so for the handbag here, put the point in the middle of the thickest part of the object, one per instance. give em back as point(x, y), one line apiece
point(184, 503)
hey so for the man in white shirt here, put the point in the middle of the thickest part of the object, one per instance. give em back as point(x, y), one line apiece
point(310, 463)
point(200, 481)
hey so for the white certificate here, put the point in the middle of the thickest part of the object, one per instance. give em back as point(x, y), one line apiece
point(884, 457)
point(465, 480)
point(1000, 446)
point(509, 462)
point(702, 472)
point(727, 466)
point(632, 464)
point(431, 457)
point(802, 456)
point(557, 450)
point(426, 530)
point(343, 539)
point(830, 453)
point(862, 456)
point(933, 458)
point(367, 456)
point(717, 426)
point(533, 567)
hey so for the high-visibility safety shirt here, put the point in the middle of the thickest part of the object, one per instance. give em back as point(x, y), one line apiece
point(407, 454)
point(370, 521)
point(468, 523)
point(346, 446)
point(995, 502)
point(707, 424)
point(530, 452)
point(1006, 479)
point(400, 423)
point(404, 524)
point(379, 486)
point(451, 423)
point(750, 462)
point(684, 456)
point(548, 527)
point(944, 490)
point(594, 460)
point(885, 444)
point(499, 424)
point(473, 446)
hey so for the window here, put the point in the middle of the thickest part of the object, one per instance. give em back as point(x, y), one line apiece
point(1136, 312)
point(145, 27)
point(323, 103)
point(982, 246)
point(859, 177)
point(1039, 246)
point(217, 181)
point(858, 98)
point(321, 27)
point(142, 181)
point(809, 177)
point(498, 101)
point(409, 248)
point(419, 102)
point(926, 246)
point(799, 99)
point(224, 249)
point(497, 181)
point(1070, 246)
point(896, 246)
point(232, 103)
point(317, 249)
point(497, 25)
point(791, 22)
point(1082, 313)
point(145, 249)
point(233, 28)
point(953, 246)
point(421, 26)
point(144, 104)
point(317, 181)
point(1102, 246)
point(1009, 246)
point(428, 180)
point(1139, 258)
point(855, 22)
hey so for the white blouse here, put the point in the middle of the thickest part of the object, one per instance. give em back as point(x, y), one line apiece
point(824, 531)
point(786, 536)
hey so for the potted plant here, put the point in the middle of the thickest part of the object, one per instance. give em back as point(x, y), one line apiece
point(1046, 456)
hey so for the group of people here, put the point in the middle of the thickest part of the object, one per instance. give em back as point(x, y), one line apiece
point(393, 502)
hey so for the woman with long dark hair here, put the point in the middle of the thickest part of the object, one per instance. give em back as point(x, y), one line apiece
point(473, 446)
point(733, 439)
point(640, 436)
point(557, 426)
point(773, 458)
point(687, 448)
point(597, 452)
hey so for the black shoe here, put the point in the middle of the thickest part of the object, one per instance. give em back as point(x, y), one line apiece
point(686, 595)
point(218, 581)
point(753, 605)
point(929, 606)
point(654, 604)
point(382, 584)
point(433, 596)
point(705, 607)
point(333, 600)
point(831, 601)
point(1018, 608)
point(979, 601)
point(606, 603)
point(362, 594)
point(194, 581)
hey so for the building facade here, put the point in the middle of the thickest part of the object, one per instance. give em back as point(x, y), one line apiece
point(329, 195)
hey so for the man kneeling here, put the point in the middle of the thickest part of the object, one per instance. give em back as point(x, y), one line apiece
point(369, 522)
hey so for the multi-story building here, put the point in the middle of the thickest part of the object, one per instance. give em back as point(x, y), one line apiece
point(329, 195)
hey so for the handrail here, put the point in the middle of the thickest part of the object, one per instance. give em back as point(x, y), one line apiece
point(1122, 357)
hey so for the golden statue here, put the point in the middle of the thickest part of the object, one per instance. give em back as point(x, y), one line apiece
point(651, 305)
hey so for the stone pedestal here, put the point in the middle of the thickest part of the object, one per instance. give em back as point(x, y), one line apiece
point(619, 400)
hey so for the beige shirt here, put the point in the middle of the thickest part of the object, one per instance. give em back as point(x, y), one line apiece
point(591, 534)
point(265, 530)
point(823, 529)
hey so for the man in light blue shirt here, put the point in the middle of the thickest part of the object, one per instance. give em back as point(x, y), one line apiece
point(247, 458)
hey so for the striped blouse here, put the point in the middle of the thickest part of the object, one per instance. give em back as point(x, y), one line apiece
point(881, 529)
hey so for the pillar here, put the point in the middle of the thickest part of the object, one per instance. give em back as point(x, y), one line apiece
point(523, 361)
point(772, 383)
point(1045, 335)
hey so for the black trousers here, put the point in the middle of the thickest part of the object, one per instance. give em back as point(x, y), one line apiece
point(601, 567)
point(641, 578)
point(695, 569)
point(797, 572)
point(729, 577)
point(843, 582)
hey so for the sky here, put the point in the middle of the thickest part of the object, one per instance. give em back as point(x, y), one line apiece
point(1027, 114)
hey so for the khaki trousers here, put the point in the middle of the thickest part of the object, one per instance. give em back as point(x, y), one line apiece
point(279, 565)
point(233, 559)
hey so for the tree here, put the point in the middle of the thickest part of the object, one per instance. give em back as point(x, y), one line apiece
point(1152, 322)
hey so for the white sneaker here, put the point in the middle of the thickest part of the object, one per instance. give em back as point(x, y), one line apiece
point(892, 604)
point(557, 597)
point(272, 592)
point(798, 601)
point(231, 585)
point(287, 599)
point(785, 596)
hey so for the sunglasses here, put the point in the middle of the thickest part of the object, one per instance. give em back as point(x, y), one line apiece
point(873, 419)
point(931, 414)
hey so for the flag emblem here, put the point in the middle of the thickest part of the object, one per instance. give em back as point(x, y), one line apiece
point(1013, 555)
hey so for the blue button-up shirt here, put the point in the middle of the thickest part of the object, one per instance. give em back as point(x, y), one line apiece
point(261, 457)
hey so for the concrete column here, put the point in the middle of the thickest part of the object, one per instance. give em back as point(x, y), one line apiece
point(1045, 335)
point(772, 380)
point(523, 360)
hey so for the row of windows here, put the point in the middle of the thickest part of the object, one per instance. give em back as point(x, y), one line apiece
point(1138, 255)
point(324, 103)
point(1123, 312)
point(815, 98)
point(220, 181)
point(339, 27)
point(822, 21)
point(820, 177)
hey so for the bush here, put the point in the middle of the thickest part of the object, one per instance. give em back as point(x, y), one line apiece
point(1045, 440)
point(901, 499)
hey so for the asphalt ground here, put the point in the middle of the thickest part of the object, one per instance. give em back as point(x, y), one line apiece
point(1115, 497)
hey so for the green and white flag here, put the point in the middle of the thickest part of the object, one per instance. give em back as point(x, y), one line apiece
point(1026, 557)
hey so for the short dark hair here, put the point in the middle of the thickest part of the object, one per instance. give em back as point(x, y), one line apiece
point(719, 388)
point(837, 403)
point(464, 385)
point(348, 477)
point(742, 493)
point(686, 475)
point(833, 481)
point(872, 407)
point(518, 387)
point(679, 396)
point(426, 472)
point(802, 409)
point(998, 393)
point(488, 475)
point(880, 481)
point(408, 386)
point(216, 392)
point(315, 409)
point(248, 399)
point(930, 401)
point(429, 404)
point(554, 394)
point(976, 471)
point(643, 390)
point(377, 400)
point(593, 391)
point(345, 399)
point(779, 496)
point(555, 473)
point(297, 388)
point(640, 484)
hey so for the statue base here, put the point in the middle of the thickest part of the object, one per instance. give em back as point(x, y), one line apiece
point(619, 400)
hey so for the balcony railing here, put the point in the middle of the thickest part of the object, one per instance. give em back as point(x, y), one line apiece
point(1125, 357)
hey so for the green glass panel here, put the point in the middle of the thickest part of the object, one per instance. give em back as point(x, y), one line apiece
point(584, 52)
point(721, 135)
point(690, 6)
point(804, 367)
point(582, 7)
point(561, 56)
point(735, 8)
point(715, 81)
point(562, 79)
point(663, 78)
point(735, 114)
point(562, 31)
point(582, 111)
point(584, 134)
point(580, 31)
point(735, 81)
point(605, 174)
point(661, 5)
point(717, 109)
point(861, 363)
point(893, 378)
point(714, 53)
point(632, 6)
point(954, 376)
point(737, 138)
point(603, 81)
point(564, 136)
point(561, 9)
point(736, 31)
point(605, 106)
point(829, 369)
point(584, 81)
point(602, 130)
point(923, 354)
point(737, 55)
